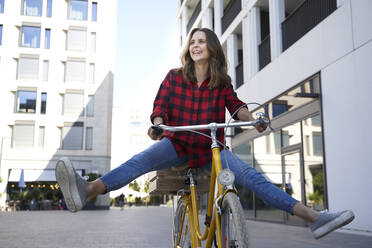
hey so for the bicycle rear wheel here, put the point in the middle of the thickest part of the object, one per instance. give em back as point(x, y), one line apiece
point(185, 240)
point(233, 225)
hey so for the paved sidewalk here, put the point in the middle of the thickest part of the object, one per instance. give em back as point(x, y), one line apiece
point(141, 227)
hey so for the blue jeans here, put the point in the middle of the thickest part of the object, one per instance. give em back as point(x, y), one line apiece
point(162, 155)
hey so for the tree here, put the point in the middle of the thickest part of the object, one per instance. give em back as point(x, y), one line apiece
point(135, 186)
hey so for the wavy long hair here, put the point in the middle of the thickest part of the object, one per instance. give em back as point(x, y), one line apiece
point(217, 62)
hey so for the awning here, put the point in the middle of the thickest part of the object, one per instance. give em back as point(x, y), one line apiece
point(31, 175)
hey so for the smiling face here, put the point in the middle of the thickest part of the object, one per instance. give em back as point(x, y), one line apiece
point(198, 48)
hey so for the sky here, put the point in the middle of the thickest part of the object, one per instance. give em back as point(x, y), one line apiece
point(146, 49)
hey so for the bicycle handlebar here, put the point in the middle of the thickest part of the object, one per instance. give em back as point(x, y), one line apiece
point(213, 125)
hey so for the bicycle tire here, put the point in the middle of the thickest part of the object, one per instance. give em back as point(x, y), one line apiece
point(185, 241)
point(234, 228)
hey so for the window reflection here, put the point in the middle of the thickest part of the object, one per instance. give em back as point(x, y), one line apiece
point(269, 165)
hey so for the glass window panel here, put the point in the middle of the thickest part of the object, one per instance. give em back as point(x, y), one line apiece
point(23, 136)
point(32, 7)
point(1, 6)
point(93, 42)
point(316, 121)
point(28, 68)
point(73, 104)
point(72, 137)
point(94, 12)
point(43, 103)
point(91, 72)
point(49, 8)
point(45, 70)
point(75, 71)
point(78, 10)
point(270, 166)
point(90, 106)
point(279, 108)
point(41, 136)
point(47, 39)
point(77, 40)
point(313, 162)
point(31, 36)
point(1, 34)
point(291, 134)
point(277, 142)
point(26, 101)
point(89, 138)
point(317, 144)
point(244, 152)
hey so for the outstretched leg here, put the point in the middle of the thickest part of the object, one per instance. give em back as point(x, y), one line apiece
point(77, 191)
point(322, 222)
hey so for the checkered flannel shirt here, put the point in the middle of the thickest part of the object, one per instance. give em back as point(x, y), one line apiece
point(180, 102)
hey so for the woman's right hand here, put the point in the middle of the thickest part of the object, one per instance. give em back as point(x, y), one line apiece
point(155, 133)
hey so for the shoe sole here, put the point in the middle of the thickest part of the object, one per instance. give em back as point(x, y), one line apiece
point(338, 222)
point(66, 179)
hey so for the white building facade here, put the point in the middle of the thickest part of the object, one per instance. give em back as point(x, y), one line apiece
point(307, 62)
point(57, 63)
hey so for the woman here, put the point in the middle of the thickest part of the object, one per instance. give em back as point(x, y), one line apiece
point(197, 93)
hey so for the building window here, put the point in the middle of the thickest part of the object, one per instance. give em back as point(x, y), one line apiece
point(28, 68)
point(279, 108)
point(317, 144)
point(76, 40)
point(49, 8)
point(90, 106)
point(30, 36)
point(75, 71)
point(92, 69)
point(45, 70)
point(32, 7)
point(72, 136)
point(89, 138)
point(47, 38)
point(1, 34)
point(23, 136)
point(43, 103)
point(78, 10)
point(73, 104)
point(26, 101)
point(93, 42)
point(94, 12)
point(41, 136)
point(1, 6)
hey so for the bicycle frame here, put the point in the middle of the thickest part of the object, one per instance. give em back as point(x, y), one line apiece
point(215, 196)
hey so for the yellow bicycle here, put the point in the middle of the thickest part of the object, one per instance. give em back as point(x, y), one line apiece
point(225, 221)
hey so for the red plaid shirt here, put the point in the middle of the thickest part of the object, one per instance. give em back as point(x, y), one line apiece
point(180, 102)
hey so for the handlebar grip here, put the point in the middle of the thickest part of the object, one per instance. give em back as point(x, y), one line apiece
point(158, 130)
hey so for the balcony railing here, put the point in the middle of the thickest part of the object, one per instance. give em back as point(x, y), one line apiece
point(194, 15)
point(230, 13)
point(239, 75)
point(264, 52)
point(304, 18)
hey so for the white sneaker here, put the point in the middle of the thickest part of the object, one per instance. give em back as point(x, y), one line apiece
point(328, 222)
point(73, 186)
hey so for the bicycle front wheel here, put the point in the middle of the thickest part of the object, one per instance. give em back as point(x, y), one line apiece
point(233, 225)
point(181, 229)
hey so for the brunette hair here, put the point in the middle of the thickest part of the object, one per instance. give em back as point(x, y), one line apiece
point(217, 61)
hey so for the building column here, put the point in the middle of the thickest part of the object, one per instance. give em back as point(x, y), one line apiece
point(246, 54)
point(232, 57)
point(254, 37)
point(185, 20)
point(179, 31)
point(207, 21)
point(218, 13)
point(277, 15)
